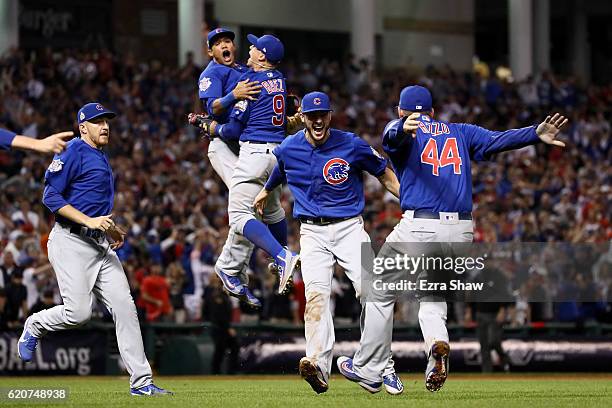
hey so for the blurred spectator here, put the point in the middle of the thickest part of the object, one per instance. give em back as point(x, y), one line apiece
point(17, 299)
point(217, 309)
point(3, 309)
point(155, 292)
point(45, 301)
point(176, 280)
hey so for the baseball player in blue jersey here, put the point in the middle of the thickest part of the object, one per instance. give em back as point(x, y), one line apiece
point(79, 189)
point(324, 169)
point(432, 161)
point(260, 126)
point(51, 144)
point(219, 88)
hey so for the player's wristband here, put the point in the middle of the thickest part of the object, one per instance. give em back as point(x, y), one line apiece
point(228, 100)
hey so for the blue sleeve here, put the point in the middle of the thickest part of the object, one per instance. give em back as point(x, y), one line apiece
point(277, 177)
point(6, 139)
point(394, 138)
point(64, 168)
point(368, 159)
point(231, 130)
point(210, 88)
point(52, 199)
point(483, 142)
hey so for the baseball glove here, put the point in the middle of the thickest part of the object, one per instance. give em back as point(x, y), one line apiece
point(201, 121)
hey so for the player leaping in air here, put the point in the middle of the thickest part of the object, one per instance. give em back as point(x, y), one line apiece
point(260, 125)
point(219, 88)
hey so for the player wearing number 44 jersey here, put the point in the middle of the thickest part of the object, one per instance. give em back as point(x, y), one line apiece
point(432, 161)
point(260, 126)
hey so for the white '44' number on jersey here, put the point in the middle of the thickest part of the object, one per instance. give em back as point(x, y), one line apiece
point(448, 157)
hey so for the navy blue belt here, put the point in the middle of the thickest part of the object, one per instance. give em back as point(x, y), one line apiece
point(432, 215)
point(78, 229)
point(323, 220)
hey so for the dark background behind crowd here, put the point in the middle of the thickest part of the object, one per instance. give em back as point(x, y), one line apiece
point(175, 206)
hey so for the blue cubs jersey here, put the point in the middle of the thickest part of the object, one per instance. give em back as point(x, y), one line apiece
point(434, 168)
point(264, 119)
point(216, 81)
point(327, 180)
point(82, 177)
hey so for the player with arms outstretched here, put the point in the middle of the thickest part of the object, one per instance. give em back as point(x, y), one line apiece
point(432, 161)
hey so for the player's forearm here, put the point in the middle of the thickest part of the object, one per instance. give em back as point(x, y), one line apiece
point(25, 143)
point(73, 214)
point(221, 105)
point(229, 131)
point(390, 182)
point(511, 139)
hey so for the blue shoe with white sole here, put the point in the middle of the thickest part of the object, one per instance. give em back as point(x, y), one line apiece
point(234, 287)
point(345, 365)
point(27, 343)
point(393, 384)
point(150, 390)
point(285, 263)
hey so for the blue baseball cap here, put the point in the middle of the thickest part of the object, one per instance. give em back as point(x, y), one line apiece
point(315, 101)
point(271, 46)
point(93, 110)
point(218, 32)
point(415, 98)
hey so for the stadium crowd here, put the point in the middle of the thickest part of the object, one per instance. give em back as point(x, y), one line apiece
point(175, 206)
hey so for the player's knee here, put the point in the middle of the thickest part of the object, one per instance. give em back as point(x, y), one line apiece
point(76, 316)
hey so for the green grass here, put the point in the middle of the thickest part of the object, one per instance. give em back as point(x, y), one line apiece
point(516, 390)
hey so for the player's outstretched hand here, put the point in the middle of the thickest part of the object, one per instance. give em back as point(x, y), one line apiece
point(411, 124)
point(247, 90)
point(550, 128)
point(260, 201)
point(103, 223)
point(117, 234)
point(55, 143)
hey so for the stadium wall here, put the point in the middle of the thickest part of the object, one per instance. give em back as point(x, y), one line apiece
point(402, 26)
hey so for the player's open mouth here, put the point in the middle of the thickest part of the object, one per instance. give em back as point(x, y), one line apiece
point(318, 130)
point(227, 55)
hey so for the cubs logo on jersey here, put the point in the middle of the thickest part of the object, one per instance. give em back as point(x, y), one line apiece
point(336, 171)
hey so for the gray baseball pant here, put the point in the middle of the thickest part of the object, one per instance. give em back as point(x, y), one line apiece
point(84, 268)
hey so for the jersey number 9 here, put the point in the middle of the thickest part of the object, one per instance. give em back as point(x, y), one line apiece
point(278, 106)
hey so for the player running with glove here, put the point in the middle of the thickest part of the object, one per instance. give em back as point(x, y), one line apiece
point(432, 160)
point(324, 170)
